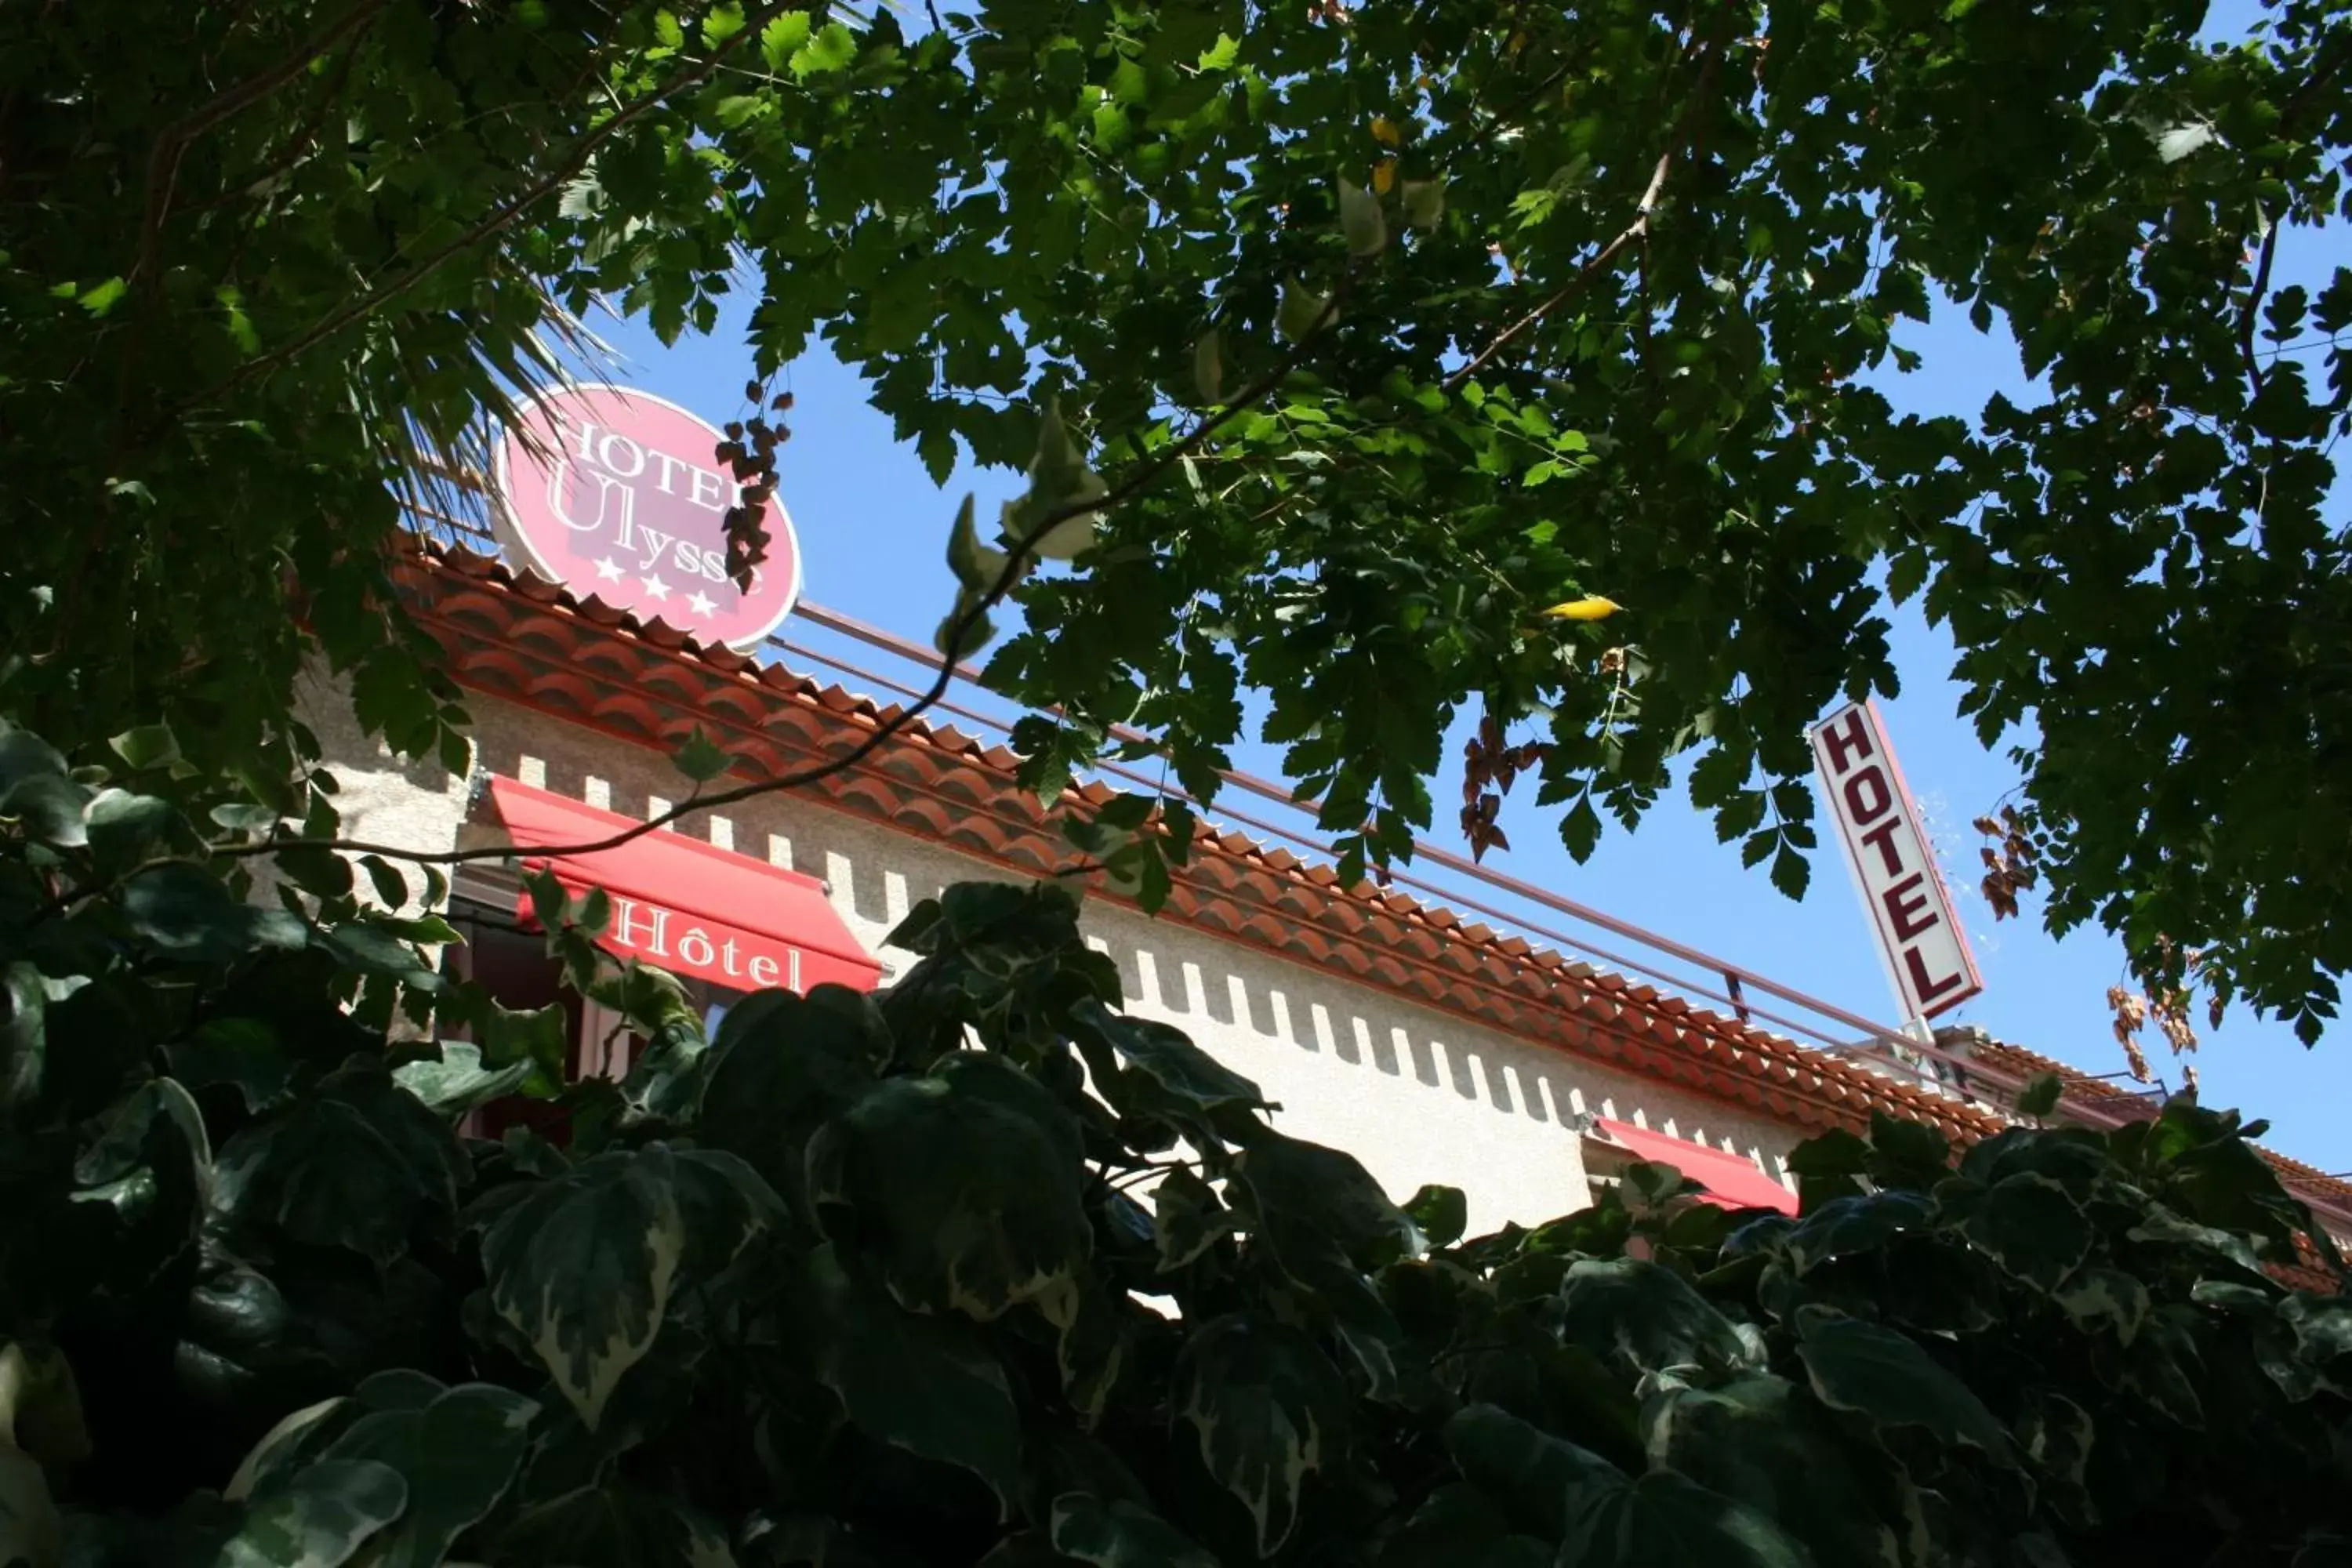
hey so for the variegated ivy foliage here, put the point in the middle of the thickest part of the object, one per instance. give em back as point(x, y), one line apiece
point(980, 1269)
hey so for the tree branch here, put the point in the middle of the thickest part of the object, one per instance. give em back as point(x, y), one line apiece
point(1638, 229)
point(164, 163)
point(2254, 308)
point(1016, 566)
point(537, 191)
point(1592, 269)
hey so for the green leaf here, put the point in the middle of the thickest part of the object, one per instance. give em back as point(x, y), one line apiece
point(49, 805)
point(246, 1054)
point(457, 1454)
point(183, 912)
point(391, 887)
point(1189, 1218)
point(1458, 1524)
point(2029, 1225)
point(1268, 1410)
point(147, 746)
point(1208, 368)
point(459, 1082)
point(963, 1189)
point(1640, 1316)
point(1424, 201)
point(699, 759)
point(833, 49)
point(1878, 1372)
point(783, 1065)
point(100, 298)
point(2040, 1096)
point(2108, 1297)
point(149, 1174)
point(1542, 1482)
point(583, 1267)
point(1326, 1223)
point(316, 1518)
point(1302, 312)
point(1116, 1534)
point(1846, 1226)
point(1763, 1443)
point(1662, 1516)
point(1361, 222)
point(1440, 1213)
point(781, 38)
point(1158, 1071)
point(614, 1525)
point(928, 1384)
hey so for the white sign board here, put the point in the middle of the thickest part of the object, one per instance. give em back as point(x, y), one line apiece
point(1920, 936)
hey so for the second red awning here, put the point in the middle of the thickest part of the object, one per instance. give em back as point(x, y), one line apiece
point(689, 907)
point(1731, 1180)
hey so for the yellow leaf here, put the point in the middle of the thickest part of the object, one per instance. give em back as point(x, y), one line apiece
point(1592, 607)
point(1385, 130)
point(1383, 175)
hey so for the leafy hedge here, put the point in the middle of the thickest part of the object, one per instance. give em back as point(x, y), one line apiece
point(982, 1269)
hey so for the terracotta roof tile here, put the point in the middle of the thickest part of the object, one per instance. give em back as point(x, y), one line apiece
point(500, 624)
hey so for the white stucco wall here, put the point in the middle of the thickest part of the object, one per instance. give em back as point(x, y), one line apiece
point(1419, 1096)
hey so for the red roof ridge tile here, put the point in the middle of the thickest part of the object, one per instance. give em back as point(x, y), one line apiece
point(1749, 1054)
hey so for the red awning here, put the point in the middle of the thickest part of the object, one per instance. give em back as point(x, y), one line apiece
point(1732, 1181)
point(687, 907)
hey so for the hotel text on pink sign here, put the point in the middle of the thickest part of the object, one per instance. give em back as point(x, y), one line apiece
point(1910, 910)
point(619, 494)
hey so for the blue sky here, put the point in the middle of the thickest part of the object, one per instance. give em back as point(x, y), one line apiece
point(873, 528)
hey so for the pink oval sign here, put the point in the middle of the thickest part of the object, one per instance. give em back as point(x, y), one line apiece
point(616, 493)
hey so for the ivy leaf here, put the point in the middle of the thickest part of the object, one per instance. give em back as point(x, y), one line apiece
point(1116, 1534)
point(1267, 1411)
point(1663, 1517)
point(459, 1082)
point(1878, 1372)
point(614, 1525)
point(783, 1065)
point(583, 1266)
point(928, 1384)
point(2030, 1225)
point(1154, 1069)
point(1640, 1316)
point(1763, 1443)
point(963, 1189)
point(319, 1517)
point(1189, 1218)
point(1542, 1482)
point(1459, 1524)
point(457, 1454)
point(358, 1164)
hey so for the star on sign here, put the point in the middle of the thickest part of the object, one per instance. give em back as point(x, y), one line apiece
point(700, 604)
point(655, 587)
point(608, 570)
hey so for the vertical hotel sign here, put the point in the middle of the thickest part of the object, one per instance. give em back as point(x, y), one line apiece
point(1886, 845)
